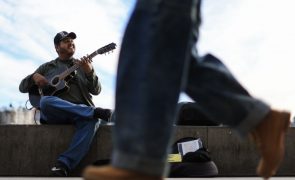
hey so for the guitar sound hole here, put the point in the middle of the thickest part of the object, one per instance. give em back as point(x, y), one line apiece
point(55, 81)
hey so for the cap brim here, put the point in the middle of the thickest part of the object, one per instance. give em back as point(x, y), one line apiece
point(72, 35)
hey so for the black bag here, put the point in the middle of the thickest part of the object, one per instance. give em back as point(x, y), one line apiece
point(194, 164)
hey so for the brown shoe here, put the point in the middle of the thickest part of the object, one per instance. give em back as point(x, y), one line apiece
point(269, 137)
point(112, 173)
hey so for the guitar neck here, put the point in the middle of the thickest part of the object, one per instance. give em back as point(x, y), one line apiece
point(92, 55)
point(75, 66)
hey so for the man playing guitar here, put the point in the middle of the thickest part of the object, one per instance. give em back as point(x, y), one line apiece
point(72, 106)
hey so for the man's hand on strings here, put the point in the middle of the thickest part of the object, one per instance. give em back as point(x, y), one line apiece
point(39, 80)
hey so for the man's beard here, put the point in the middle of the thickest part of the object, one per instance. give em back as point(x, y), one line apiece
point(67, 51)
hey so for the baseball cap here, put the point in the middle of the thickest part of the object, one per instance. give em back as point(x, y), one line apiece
point(63, 34)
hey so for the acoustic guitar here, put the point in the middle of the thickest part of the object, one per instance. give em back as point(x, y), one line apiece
point(59, 82)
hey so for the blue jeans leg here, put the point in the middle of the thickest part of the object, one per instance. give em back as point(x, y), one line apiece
point(80, 143)
point(221, 97)
point(57, 111)
point(151, 65)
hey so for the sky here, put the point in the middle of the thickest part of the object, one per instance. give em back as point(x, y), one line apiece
point(254, 38)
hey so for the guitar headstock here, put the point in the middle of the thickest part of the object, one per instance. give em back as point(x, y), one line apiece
point(106, 48)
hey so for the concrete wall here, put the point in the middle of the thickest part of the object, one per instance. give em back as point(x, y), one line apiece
point(31, 150)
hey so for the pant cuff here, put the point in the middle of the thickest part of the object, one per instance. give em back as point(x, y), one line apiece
point(253, 119)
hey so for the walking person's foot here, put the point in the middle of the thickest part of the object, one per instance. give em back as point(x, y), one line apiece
point(269, 137)
point(113, 173)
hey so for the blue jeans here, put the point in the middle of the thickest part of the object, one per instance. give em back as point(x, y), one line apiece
point(57, 111)
point(156, 63)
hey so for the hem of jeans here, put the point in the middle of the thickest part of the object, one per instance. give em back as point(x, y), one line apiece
point(138, 163)
point(254, 118)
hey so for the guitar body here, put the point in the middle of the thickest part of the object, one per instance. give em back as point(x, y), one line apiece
point(55, 87)
point(48, 90)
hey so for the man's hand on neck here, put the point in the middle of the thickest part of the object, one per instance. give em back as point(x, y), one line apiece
point(85, 63)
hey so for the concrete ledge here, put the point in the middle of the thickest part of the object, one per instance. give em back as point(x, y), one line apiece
point(31, 150)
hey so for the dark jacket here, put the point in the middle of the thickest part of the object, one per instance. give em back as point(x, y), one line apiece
point(88, 84)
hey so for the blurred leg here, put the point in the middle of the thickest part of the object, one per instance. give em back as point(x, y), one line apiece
point(152, 62)
point(221, 97)
point(225, 101)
